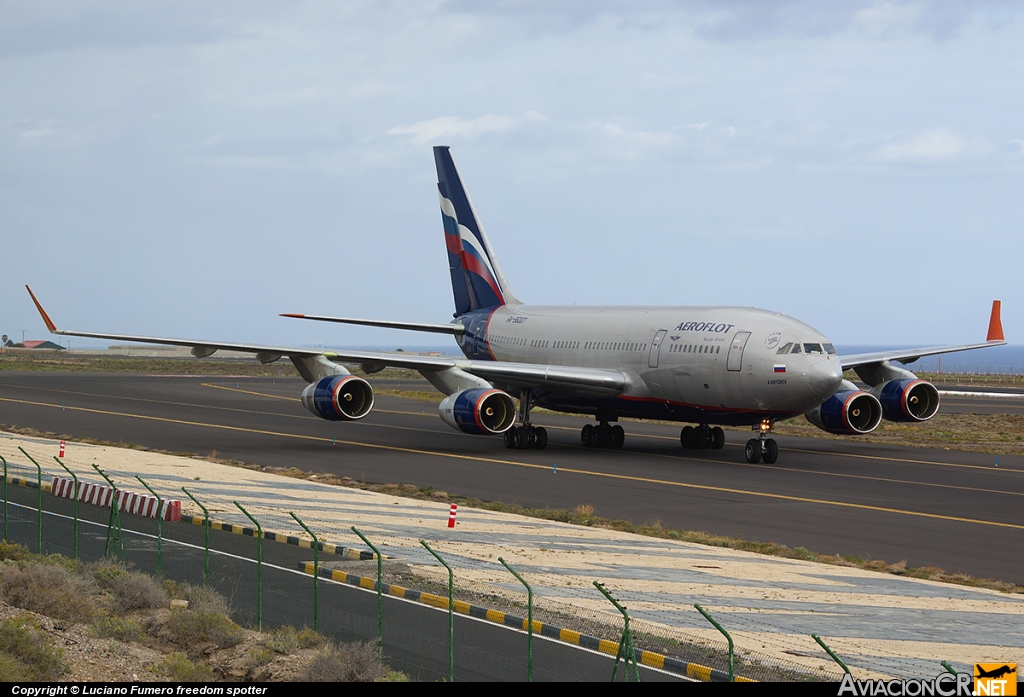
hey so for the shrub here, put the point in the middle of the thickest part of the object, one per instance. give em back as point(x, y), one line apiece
point(259, 658)
point(135, 591)
point(198, 597)
point(179, 668)
point(26, 652)
point(13, 551)
point(114, 627)
point(347, 663)
point(188, 627)
point(48, 590)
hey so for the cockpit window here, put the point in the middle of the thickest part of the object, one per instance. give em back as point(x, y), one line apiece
point(830, 349)
point(784, 349)
point(813, 348)
point(796, 348)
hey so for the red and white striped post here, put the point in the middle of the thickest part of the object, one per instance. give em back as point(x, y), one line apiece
point(61, 450)
point(451, 515)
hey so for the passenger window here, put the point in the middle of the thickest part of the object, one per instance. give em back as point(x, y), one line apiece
point(785, 349)
point(813, 348)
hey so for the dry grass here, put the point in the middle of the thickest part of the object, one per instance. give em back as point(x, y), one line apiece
point(347, 663)
point(1001, 434)
point(48, 589)
point(27, 654)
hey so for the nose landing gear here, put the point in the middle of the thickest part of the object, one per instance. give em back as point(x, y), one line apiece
point(762, 447)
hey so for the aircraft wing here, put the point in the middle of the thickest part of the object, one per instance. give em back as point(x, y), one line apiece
point(597, 381)
point(994, 338)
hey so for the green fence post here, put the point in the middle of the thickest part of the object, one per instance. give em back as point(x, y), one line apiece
point(709, 618)
point(949, 667)
point(380, 617)
point(115, 519)
point(831, 653)
point(159, 527)
point(626, 652)
point(39, 501)
point(74, 504)
point(451, 614)
point(316, 572)
point(5, 497)
point(529, 620)
point(259, 566)
point(206, 542)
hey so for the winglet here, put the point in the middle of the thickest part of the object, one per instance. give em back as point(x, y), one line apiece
point(995, 326)
point(46, 318)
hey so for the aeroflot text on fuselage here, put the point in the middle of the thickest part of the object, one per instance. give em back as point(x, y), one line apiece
point(704, 327)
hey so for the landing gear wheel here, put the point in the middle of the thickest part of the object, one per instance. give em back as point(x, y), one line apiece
point(770, 452)
point(531, 436)
point(753, 451)
point(604, 436)
point(717, 438)
point(686, 438)
point(540, 438)
point(618, 436)
point(588, 437)
point(514, 439)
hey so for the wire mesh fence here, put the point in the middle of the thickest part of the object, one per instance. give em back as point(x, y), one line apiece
point(576, 632)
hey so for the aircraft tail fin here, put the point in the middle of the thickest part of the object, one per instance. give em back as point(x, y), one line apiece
point(477, 279)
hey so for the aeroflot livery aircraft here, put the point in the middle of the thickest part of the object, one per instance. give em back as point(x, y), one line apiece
point(707, 366)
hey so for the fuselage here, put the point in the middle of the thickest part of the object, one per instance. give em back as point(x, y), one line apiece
point(714, 365)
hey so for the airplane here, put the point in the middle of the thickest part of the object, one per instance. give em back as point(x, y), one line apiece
point(705, 366)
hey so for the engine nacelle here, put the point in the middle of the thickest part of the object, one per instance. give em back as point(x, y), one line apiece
point(907, 400)
point(847, 412)
point(480, 411)
point(339, 398)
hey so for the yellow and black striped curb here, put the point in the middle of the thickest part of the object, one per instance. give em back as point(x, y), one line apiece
point(647, 658)
point(326, 547)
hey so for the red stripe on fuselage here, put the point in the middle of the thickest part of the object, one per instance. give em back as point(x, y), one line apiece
point(732, 410)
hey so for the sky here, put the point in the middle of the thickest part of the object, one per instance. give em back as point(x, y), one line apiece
point(193, 169)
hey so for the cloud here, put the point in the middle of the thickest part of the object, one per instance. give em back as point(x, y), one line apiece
point(1020, 144)
point(933, 146)
point(452, 126)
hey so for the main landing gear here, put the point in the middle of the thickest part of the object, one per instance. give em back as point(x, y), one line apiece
point(702, 437)
point(762, 447)
point(527, 435)
point(603, 436)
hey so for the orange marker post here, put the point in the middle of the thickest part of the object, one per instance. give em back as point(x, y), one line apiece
point(451, 515)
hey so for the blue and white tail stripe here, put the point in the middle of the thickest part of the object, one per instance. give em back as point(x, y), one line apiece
point(477, 280)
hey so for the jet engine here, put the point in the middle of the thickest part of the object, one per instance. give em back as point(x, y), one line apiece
point(907, 400)
point(480, 411)
point(339, 398)
point(847, 412)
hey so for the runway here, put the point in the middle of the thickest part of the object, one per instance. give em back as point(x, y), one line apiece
point(955, 510)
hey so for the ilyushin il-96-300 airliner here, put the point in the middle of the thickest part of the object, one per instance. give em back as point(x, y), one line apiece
point(705, 366)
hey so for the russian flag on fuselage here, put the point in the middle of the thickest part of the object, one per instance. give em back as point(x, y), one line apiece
point(474, 281)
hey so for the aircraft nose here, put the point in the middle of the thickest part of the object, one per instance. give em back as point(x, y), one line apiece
point(824, 377)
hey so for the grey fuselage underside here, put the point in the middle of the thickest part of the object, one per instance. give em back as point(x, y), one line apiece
point(715, 365)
